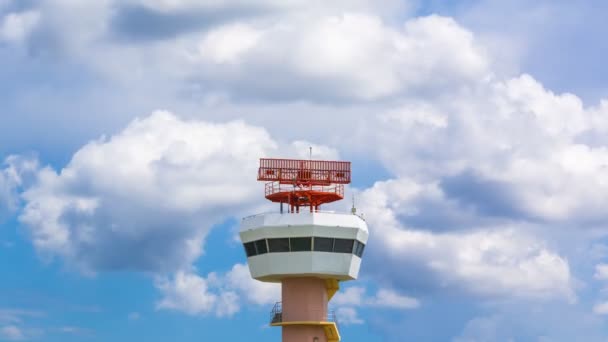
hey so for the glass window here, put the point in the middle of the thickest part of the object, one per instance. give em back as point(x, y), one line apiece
point(278, 245)
point(260, 246)
point(358, 249)
point(324, 244)
point(301, 244)
point(343, 246)
point(250, 249)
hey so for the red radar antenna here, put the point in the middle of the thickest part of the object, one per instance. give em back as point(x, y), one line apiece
point(304, 183)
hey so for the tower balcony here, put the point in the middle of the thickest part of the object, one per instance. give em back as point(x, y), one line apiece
point(327, 320)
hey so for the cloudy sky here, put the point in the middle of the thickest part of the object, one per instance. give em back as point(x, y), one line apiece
point(130, 132)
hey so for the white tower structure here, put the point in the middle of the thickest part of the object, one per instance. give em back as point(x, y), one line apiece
point(308, 252)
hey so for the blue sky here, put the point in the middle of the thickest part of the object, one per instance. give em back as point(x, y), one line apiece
point(130, 132)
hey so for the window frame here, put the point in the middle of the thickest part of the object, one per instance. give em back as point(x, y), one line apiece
point(270, 249)
point(314, 244)
point(351, 243)
point(247, 251)
point(262, 242)
point(291, 244)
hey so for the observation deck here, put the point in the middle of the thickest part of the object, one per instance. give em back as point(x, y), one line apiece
point(319, 244)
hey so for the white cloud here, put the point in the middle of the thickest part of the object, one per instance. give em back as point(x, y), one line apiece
point(487, 262)
point(15, 324)
point(13, 316)
point(384, 298)
point(145, 198)
point(601, 308)
point(348, 56)
point(189, 293)
point(351, 296)
point(221, 295)
point(227, 44)
point(530, 152)
point(525, 321)
point(348, 316)
point(339, 52)
point(182, 5)
point(77, 331)
point(16, 173)
point(169, 6)
point(390, 299)
point(601, 272)
point(4, 3)
point(15, 27)
point(12, 333)
point(348, 300)
point(483, 329)
point(254, 291)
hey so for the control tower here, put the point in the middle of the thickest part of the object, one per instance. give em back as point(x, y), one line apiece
point(306, 250)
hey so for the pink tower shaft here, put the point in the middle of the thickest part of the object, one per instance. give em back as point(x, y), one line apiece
point(304, 300)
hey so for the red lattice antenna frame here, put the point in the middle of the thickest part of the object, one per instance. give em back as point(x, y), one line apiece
point(304, 183)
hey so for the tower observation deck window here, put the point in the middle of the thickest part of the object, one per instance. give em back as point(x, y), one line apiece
point(358, 249)
point(260, 246)
point(343, 245)
point(278, 245)
point(304, 244)
point(301, 244)
point(323, 244)
point(250, 249)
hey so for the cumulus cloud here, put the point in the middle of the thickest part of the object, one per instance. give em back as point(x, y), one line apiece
point(15, 27)
point(601, 272)
point(17, 173)
point(145, 198)
point(488, 262)
point(12, 333)
point(384, 298)
point(218, 294)
point(327, 53)
point(348, 315)
point(351, 296)
point(520, 148)
point(349, 300)
point(189, 293)
point(265, 5)
point(14, 324)
point(525, 322)
point(391, 299)
point(253, 291)
point(601, 308)
point(13, 316)
point(349, 56)
point(483, 329)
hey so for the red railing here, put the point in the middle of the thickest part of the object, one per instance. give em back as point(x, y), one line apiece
point(276, 315)
point(294, 171)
